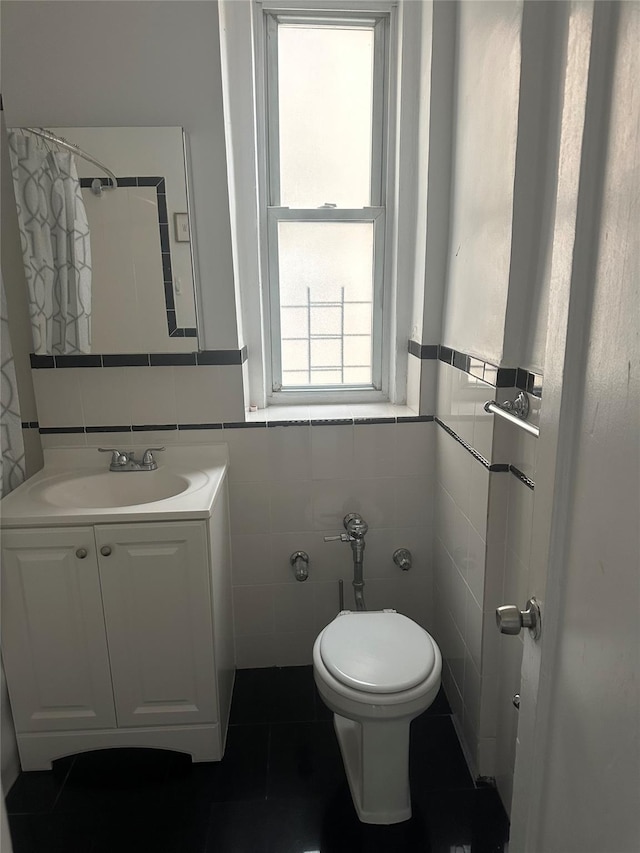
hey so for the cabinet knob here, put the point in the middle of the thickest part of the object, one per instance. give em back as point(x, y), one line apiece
point(105, 550)
point(81, 553)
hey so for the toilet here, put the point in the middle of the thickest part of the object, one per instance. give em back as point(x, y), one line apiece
point(376, 671)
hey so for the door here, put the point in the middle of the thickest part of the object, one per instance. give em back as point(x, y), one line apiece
point(53, 635)
point(157, 605)
point(577, 775)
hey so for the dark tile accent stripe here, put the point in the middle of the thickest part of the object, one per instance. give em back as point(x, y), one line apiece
point(150, 427)
point(522, 477)
point(41, 361)
point(506, 377)
point(78, 360)
point(499, 377)
point(445, 354)
point(163, 359)
point(122, 428)
point(30, 425)
point(141, 359)
point(529, 382)
point(244, 425)
point(199, 426)
point(426, 352)
point(222, 356)
point(133, 359)
point(366, 421)
point(231, 425)
point(60, 430)
point(305, 422)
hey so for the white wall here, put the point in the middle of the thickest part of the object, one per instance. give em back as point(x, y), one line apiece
point(134, 64)
point(486, 128)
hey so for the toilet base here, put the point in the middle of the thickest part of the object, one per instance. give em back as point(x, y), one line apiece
point(376, 761)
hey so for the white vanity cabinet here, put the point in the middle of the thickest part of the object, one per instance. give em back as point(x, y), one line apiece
point(119, 635)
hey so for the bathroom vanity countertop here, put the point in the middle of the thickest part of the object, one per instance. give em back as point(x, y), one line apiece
point(200, 471)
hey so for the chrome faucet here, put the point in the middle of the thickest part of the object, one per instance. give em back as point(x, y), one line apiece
point(356, 528)
point(124, 460)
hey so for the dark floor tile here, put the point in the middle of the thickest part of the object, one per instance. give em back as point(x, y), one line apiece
point(293, 696)
point(107, 779)
point(179, 828)
point(252, 696)
point(37, 791)
point(239, 828)
point(273, 695)
point(465, 820)
point(436, 761)
point(331, 826)
point(241, 775)
point(304, 761)
point(52, 833)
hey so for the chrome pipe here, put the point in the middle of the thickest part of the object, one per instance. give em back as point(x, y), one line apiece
point(495, 408)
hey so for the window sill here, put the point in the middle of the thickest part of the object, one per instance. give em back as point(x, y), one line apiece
point(365, 412)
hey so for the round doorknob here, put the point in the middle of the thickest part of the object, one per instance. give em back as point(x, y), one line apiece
point(511, 620)
point(105, 550)
point(81, 553)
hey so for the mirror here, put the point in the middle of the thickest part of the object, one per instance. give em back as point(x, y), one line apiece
point(142, 272)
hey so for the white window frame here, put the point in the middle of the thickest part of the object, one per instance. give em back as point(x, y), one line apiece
point(382, 18)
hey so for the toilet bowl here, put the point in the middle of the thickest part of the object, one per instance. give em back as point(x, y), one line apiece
point(376, 671)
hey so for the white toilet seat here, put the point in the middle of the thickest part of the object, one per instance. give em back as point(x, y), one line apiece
point(377, 652)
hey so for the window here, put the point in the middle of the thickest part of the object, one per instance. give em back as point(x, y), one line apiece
point(326, 79)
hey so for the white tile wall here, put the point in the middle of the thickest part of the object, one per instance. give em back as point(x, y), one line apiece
point(291, 486)
point(462, 569)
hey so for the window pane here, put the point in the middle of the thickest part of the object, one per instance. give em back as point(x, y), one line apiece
point(326, 353)
point(326, 321)
point(326, 271)
point(325, 100)
point(357, 351)
point(355, 375)
point(294, 323)
point(326, 377)
point(294, 377)
point(295, 355)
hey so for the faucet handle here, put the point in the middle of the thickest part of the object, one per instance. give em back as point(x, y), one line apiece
point(342, 537)
point(147, 458)
point(117, 458)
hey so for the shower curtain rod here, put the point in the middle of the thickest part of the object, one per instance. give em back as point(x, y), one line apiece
point(97, 186)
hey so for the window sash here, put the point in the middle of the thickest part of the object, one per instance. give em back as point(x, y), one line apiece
point(374, 215)
point(380, 74)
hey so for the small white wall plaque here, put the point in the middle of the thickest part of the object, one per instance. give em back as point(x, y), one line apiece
point(181, 226)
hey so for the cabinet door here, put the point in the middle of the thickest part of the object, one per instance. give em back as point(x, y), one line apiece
point(53, 634)
point(155, 587)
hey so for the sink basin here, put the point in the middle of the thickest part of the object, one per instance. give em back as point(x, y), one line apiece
point(110, 489)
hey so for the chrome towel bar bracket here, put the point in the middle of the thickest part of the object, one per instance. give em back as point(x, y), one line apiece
point(515, 412)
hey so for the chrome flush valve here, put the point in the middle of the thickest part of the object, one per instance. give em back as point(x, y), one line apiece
point(355, 525)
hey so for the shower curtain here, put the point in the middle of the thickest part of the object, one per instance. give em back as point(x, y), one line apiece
point(13, 462)
point(13, 473)
point(56, 251)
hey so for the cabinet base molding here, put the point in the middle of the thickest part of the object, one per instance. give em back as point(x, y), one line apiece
point(38, 750)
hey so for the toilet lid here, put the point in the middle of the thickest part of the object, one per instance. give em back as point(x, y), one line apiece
point(377, 652)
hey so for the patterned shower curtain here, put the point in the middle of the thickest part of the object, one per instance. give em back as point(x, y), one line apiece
point(13, 464)
point(55, 245)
